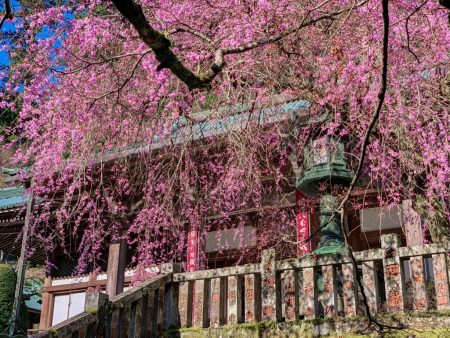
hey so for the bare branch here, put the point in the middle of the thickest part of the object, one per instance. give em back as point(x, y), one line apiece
point(8, 13)
point(191, 31)
point(94, 63)
point(407, 29)
point(376, 114)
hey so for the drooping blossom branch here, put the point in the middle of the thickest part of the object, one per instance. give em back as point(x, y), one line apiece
point(161, 44)
point(120, 147)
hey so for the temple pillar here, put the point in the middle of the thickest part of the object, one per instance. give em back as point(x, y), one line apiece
point(116, 267)
point(412, 224)
point(47, 305)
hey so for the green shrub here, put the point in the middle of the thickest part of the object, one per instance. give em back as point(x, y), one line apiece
point(7, 288)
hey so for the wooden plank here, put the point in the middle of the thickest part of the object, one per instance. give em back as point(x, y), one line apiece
point(21, 267)
point(441, 281)
point(370, 284)
point(329, 294)
point(79, 286)
point(418, 282)
point(217, 302)
point(268, 280)
point(290, 308)
point(126, 321)
point(91, 330)
point(349, 290)
point(200, 311)
point(185, 304)
point(310, 261)
point(116, 267)
point(300, 294)
point(160, 310)
point(114, 324)
point(425, 249)
point(135, 293)
point(81, 333)
point(309, 291)
point(171, 313)
point(144, 316)
point(47, 301)
point(150, 328)
point(252, 312)
point(222, 272)
point(234, 300)
point(393, 279)
point(138, 309)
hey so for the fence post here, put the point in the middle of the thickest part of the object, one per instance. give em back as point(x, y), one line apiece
point(217, 301)
point(329, 294)
point(200, 303)
point(171, 317)
point(309, 293)
point(234, 300)
point(349, 290)
point(441, 281)
point(268, 276)
point(393, 280)
point(418, 282)
point(290, 295)
point(251, 301)
point(47, 300)
point(96, 302)
point(185, 304)
point(370, 283)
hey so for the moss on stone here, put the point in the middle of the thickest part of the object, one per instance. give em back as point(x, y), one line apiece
point(414, 324)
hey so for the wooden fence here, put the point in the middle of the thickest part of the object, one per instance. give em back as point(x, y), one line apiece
point(285, 290)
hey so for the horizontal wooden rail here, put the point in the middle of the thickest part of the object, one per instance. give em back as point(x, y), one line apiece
point(216, 273)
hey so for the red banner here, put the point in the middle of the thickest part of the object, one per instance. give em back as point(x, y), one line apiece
point(302, 234)
point(302, 225)
point(192, 251)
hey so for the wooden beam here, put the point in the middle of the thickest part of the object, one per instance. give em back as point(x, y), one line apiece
point(116, 267)
point(20, 271)
point(46, 309)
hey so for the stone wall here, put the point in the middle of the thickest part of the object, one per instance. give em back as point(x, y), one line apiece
point(428, 324)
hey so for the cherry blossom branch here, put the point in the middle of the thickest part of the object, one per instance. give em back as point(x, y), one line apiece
point(95, 63)
point(161, 44)
point(191, 31)
point(376, 114)
point(407, 29)
point(373, 120)
point(8, 13)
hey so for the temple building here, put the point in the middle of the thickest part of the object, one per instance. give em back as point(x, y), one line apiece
point(64, 292)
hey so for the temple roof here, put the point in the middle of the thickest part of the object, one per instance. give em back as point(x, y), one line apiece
point(12, 197)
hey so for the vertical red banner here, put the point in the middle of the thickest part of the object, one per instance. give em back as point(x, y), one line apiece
point(302, 233)
point(192, 251)
point(302, 225)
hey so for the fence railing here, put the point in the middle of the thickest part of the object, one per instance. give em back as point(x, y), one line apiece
point(292, 289)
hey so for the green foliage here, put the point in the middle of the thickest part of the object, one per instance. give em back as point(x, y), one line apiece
point(7, 287)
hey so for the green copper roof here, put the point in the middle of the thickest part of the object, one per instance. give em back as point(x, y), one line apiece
point(12, 197)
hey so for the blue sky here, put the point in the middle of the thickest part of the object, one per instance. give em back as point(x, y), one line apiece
point(7, 27)
point(10, 27)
